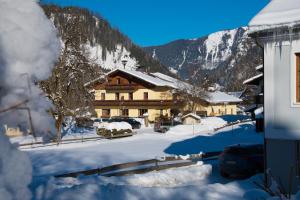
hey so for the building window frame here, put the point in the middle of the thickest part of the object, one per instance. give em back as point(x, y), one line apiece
point(117, 96)
point(130, 96)
point(103, 96)
point(146, 96)
point(297, 86)
point(142, 112)
point(118, 81)
point(105, 112)
point(124, 112)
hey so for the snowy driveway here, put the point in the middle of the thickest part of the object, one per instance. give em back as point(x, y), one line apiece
point(145, 145)
point(192, 182)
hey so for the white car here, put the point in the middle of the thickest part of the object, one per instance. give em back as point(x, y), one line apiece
point(100, 122)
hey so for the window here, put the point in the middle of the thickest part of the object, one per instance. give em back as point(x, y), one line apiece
point(142, 111)
point(102, 96)
point(105, 112)
point(117, 96)
point(118, 81)
point(298, 77)
point(130, 96)
point(145, 95)
point(124, 112)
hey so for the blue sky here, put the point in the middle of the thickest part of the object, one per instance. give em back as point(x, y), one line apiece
point(154, 22)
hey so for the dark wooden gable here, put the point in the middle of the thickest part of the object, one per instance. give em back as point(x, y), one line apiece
point(123, 79)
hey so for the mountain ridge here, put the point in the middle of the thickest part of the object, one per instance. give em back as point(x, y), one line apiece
point(224, 57)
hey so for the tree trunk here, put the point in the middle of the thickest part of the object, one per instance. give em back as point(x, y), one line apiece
point(58, 124)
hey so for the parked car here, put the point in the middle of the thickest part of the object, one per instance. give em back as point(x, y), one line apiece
point(164, 126)
point(99, 121)
point(135, 124)
point(241, 160)
point(84, 122)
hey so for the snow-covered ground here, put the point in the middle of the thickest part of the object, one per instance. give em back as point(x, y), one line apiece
point(92, 188)
point(206, 127)
point(201, 181)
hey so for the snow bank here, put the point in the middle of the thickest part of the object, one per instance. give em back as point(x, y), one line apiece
point(15, 172)
point(254, 194)
point(205, 127)
point(277, 13)
point(166, 178)
point(93, 188)
point(116, 125)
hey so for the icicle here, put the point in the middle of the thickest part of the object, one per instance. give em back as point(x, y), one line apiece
point(290, 34)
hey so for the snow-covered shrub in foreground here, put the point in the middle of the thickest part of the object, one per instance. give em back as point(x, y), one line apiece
point(28, 47)
point(15, 172)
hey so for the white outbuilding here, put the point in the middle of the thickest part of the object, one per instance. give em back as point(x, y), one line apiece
point(191, 119)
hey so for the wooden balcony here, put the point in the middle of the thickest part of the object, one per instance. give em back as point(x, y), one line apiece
point(121, 87)
point(136, 103)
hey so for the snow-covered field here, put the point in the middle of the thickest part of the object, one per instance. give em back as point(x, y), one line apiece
point(201, 181)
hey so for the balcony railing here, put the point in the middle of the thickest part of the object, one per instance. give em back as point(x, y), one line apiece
point(121, 87)
point(167, 103)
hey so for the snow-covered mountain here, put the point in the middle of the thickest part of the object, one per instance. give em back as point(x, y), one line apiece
point(100, 43)
point(225, 57)
point(90, 46)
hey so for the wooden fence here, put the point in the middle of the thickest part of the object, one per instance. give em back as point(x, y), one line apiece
point(144, 166)
point(232, 124)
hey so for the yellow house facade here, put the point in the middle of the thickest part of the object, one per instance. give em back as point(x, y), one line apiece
point(217, 104)
point(135, 94)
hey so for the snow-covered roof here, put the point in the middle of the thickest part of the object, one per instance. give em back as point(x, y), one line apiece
point(157, 79)
point(277, 13)
point(237, 94)
point(164, 77)
point(221, 97)
point(93, 81)
point(259, 67)
point(192, 115)
point(250, 108)
point(253, 78)
point(178, 84)
point(259, 113)
point(146, 77)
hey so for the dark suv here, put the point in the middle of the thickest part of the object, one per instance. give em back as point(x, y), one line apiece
point(134, 124)
point(242, 160)
point(164, 126)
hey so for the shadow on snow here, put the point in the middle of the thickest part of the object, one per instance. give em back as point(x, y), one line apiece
point(244, 133)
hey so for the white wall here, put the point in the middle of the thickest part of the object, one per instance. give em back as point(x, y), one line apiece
point(282, 114)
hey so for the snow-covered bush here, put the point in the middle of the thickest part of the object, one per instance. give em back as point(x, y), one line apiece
point(113, 129)
point(118, 126)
